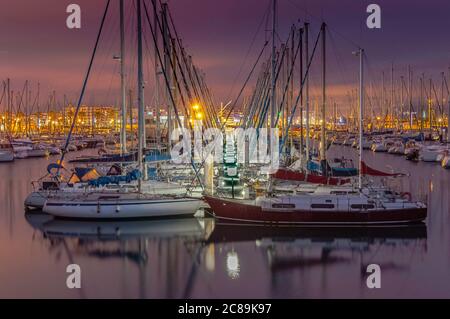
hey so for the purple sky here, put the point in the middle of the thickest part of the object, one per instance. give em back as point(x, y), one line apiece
point(36, 45)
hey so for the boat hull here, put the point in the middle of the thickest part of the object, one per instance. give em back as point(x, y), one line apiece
point(234, 210)
point(123, 209)
point(6, 156)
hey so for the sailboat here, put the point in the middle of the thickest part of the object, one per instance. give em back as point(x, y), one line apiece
point(326, 205)
point(100, 204)
point(6, 152)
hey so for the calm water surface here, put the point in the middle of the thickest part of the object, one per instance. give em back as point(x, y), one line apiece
point(193, 258)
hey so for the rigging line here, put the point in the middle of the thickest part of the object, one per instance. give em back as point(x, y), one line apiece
point(300, 92)
point(83, 89)
point(167, 81)
point(279, 63)
point(105, 55)
point(288, 82)
point(185, 61)
point(339, 60)
point(4, 92)
point(320, 20)
point(195, 82)
point(248, 51)
point(108, 92)
point(223, 124)
point(245, 83)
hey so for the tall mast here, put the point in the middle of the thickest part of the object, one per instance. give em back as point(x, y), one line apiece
point(123, 129)
point(141, 123)
point(391, 111)
point(273, 86)
point(323, 156)
point(167, 68)
point(8, 104)
point(157, 102)
point(410, 97)
point(301, 91)
point(421, 103)
point(448, 111)
point(360, 53)
point(383, 100)
point(307, 89)
point(430, 101)
point(402, 102)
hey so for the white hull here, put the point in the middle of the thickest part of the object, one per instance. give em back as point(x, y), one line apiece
point(432, 155)
point(87, 229)
point(36, 200)
point(6, 156)
point(38, 153)
point(121, 207)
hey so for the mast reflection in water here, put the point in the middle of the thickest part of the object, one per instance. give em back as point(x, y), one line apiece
point(203, 258)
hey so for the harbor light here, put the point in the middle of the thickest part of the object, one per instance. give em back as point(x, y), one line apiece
point(233, 267)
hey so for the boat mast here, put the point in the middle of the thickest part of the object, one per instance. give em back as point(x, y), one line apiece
point(421, 103)
point(383, 100)
point(307, 90)
point(123, 130)
point(448, 112)
point(401, 102)
point(167, 67)
point(273, 75)
point(157, 85)
point(410, 98)
point(361, 115)
point(323, 141)
point(430, 101)
point(300, 31)
point(392, 98)
point(141, 122)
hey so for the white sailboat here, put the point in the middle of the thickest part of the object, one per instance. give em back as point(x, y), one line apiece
point(123, 204)
point(6, 152)
point(100, 205)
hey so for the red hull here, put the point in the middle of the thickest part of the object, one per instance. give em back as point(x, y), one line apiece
point(234, 210)
point(315, 179)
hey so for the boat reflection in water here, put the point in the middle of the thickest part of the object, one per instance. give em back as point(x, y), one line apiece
point(205, 258)
point(157, 247)
point(304, 262)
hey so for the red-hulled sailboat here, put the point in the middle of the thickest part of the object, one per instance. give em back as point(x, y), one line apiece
point(327, 205)
point(335, 205)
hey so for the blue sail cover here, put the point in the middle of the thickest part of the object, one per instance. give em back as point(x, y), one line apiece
point(157, 158)
point(106, 180)
point(53, 166)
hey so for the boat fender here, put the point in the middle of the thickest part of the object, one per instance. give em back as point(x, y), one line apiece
point(406, 195)
point(117, 209)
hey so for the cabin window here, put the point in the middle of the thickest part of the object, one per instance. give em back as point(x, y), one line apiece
point(362, 206)
point(283, 205)
point(322, 206)
point(108, 197)
point(338, 193)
